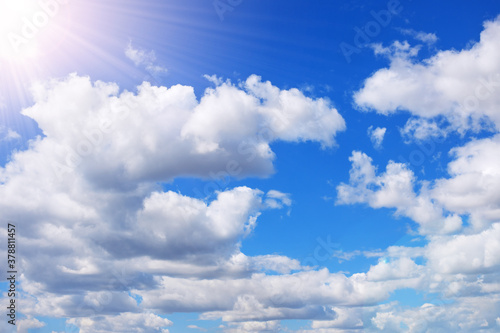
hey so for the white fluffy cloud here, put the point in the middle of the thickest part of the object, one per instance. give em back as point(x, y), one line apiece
point(124, 322)
point(395, 188)
point(161, 133)
point(451, 91)
point(96, 224)
point(377, 135)
point(106, 246)
point(26, 324)
point(255, 327)
point(171, 225)
point(463, 266)
point(466, 315)
point(420, 129)
point(473, 187)
point(462, 86)
point(475, 253)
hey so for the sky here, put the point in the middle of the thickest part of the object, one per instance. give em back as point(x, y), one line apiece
point(251, 166)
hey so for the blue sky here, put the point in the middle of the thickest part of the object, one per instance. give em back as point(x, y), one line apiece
point(252, 166)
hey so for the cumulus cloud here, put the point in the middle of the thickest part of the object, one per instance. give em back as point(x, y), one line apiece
point(263, 297)
point(24, 325)
point(474, 182)
point(395, 188)
point(124, 322)
point(420, 129)
point(451, 91)
point(106, 246)
point(161, 133)
point(466, 315)
point(461, 86)
point(97, 224)
point(171, 225)
point(255, 327)
point(461, 268)
point(474, 253)
point(377, 136)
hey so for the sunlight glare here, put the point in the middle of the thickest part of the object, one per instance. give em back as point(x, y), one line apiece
point(24, 25)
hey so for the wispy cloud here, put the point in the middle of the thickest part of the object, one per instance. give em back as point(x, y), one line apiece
point(425, 37)
point(145, 59)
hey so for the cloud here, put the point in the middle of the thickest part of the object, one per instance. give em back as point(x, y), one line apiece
point(263, 297)
point(460, 268)
point(193, 229)
point(395, 189)
point(466, 315)
point(475, 253)
point(9, 134)
point(255, 327)
point(119, 140)
point(460, 86)
point(109, 248)
point(124, 322)
point(344, 319)
point(24, 325)
point(473, 186)
point(97, 224)
point(397, 50)
point(469, 314)
point(145, 59)
point(376, 135)
point(197, 328)
point(402, 268)
point(277, 199)
point(425, 37)
point(421, 129)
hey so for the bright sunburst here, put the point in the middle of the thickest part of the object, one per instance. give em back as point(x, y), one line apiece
point(29, 26)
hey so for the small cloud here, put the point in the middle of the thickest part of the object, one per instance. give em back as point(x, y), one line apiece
point(428, 38)
point(218, 81)
point(194, 327)
point(12, 135)
point(347, 256)
point(276, 199)
point(143, 58)
point(307, 88)
point(327, 198)
point(8, 135)
point(397, 50)
point(29, 323)
point(418, 129)
point(376, 136)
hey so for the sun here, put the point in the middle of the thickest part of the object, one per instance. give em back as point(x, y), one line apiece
point(25, 25)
